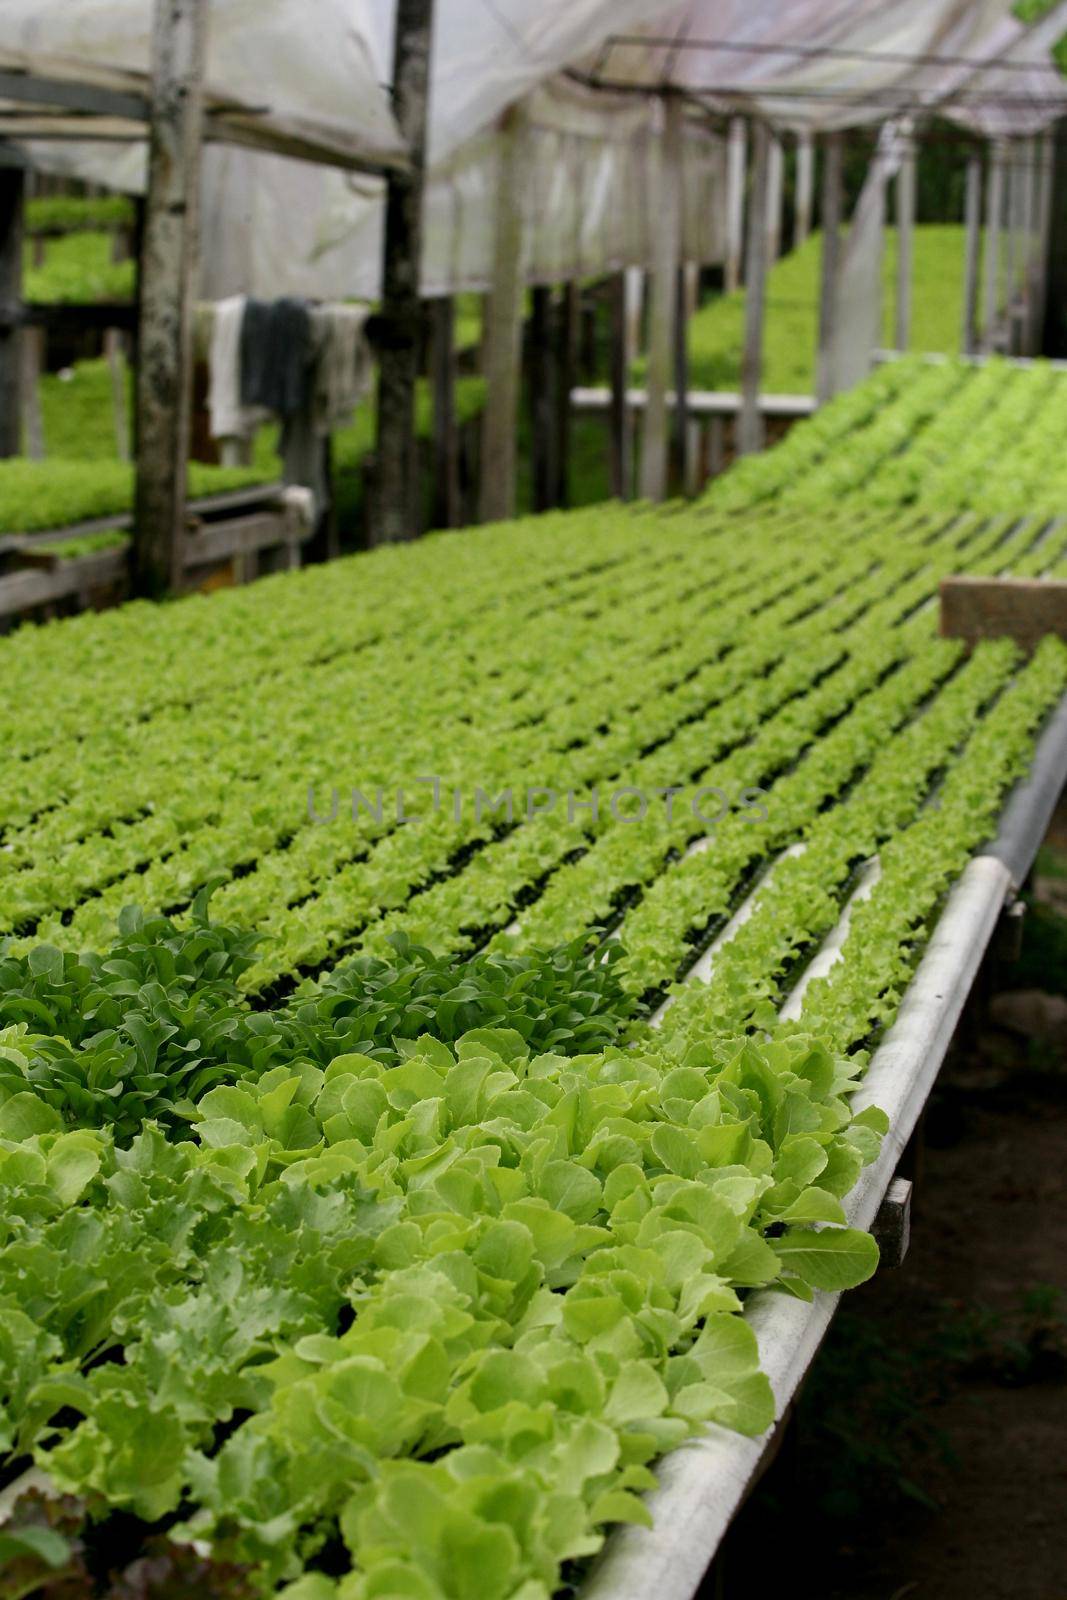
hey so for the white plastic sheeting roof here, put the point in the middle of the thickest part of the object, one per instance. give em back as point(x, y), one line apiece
point(273, 226)
point(828, 64)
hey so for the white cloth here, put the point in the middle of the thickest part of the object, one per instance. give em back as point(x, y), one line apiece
point(343, 363)
point(229, 419)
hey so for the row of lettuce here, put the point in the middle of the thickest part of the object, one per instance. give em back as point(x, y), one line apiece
point(382, 1252)
point(420, 1271)
point(943, 435)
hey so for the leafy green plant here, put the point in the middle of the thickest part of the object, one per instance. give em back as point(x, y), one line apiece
point(68, 213)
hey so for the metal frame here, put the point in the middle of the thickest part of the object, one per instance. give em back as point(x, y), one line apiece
point(70, 99)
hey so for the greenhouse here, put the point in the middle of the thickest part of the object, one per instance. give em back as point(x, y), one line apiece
point(533, 820)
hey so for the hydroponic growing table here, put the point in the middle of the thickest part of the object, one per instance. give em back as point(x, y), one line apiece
point(441, 1228)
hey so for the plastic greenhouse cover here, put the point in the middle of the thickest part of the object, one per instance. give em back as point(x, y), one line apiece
point(273, 226)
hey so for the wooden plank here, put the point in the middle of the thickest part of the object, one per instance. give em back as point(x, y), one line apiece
point(830, 269)
point(892, 1224)
point(973, 237)
point(168, 259)
point(237, 536)
point(402, 253)
point(269, 496)
point(504, 324)
point(1023, 609)
point(446, 512)
point(805, 191)
point(661, 315)
point(750, 420)
point(736, 155)
point(700, 402)
point(905, 206)
point(22, 591)
point(12, 194)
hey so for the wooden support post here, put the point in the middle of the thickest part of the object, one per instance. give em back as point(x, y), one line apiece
point(905, 198)
point(1046, 162)
point(735, 201)
point(992, 272)
point(621, 432)
point(668, 226)
point(32, 351)
point(681, 378)
point(696, 452)
point(446, 513)
point(830, 272)
point(716, 445)
point(114, 351)
point(566, 366)
point(396, 452)
point(635, 305)
point(892, 1225)
point(1017, 253)
point(750, 419)
point(12, 195)
point(805, 189)
point(1030, 207)
point(973, 235)
point(504, 331)
point(542, 396)
point(168, 261)
point(775, 185)
point(1010, 190)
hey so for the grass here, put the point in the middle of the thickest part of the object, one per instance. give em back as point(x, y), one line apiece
point(68, 213)
point(77, 270)
point(717, 331)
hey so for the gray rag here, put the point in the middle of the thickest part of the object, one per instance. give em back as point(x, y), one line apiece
point(276, 355)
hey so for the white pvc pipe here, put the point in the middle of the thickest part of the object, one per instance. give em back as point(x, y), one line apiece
point(702, 1484)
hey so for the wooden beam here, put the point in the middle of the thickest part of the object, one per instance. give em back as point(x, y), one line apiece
point(992, 269)
point(973, 243)
point(905, 199)
point(504, 325)
point(735, 201)
point(655, 454)
point(542, 392)
point(125, 104)
point(621, 431)
point(12, 197)
point(446, 507)
point(830, 271)
point(750, 422)
point(805, 191)
point(397, 463)
point(1023, 609)
point(168, 261)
